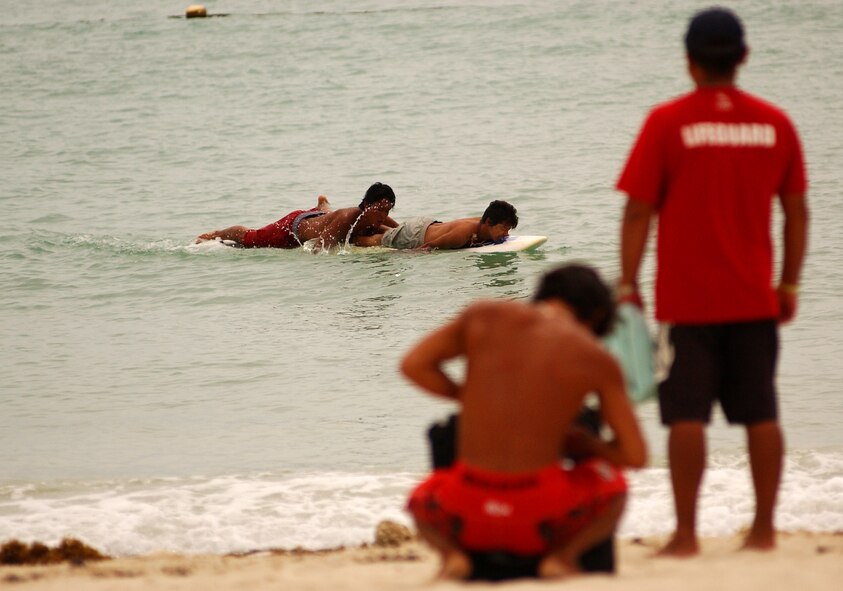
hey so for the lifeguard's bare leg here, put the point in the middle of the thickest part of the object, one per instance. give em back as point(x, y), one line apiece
point(686, 453)
point(766, 451)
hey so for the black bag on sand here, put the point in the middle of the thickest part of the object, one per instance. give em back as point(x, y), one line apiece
point(499, 566)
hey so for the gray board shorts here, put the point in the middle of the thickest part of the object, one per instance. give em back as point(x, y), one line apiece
point(408, 234)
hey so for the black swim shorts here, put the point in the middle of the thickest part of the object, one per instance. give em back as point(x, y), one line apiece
point(733, 363)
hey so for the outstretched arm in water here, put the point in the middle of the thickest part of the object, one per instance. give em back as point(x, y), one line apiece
point(234, 233)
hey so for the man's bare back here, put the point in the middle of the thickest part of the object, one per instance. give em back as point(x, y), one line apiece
point(454, 234)
point(529, 370)
point(554, 361)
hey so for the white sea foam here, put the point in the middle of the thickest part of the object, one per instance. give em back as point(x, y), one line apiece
point(810, 499)
point(224, 514)
point(238, 513)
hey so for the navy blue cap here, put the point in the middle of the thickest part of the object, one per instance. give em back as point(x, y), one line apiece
point(715, 33)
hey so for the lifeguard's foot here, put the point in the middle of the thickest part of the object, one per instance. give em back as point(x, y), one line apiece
point(322, 204)
point(680, 546)
point(763, 539)
point(555, 567)
point(455, 566)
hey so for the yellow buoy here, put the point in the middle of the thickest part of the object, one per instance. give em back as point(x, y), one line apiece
point(195, 11)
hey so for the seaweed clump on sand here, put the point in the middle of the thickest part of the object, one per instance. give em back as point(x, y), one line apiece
point(69, 550)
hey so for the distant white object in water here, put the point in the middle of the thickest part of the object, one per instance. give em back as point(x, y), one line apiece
point(195, 11)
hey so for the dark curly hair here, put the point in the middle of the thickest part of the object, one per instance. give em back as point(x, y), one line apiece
point(580, 287)
point(500, 212)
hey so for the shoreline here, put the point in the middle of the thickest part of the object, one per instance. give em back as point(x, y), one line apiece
point(807, 560)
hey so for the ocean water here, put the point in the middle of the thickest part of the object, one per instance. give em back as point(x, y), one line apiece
point(162, 396)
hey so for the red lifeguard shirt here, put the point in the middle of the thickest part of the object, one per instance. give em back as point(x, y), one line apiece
point(711, 163)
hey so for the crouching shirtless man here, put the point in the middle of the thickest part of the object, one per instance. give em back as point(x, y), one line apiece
point(529, 368)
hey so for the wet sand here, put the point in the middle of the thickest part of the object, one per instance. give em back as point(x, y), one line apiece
point(803, 561)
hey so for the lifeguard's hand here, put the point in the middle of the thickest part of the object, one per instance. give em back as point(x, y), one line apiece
point(788, 295)
point(627, 292)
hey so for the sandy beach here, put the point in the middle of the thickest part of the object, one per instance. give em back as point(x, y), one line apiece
point(805, 561)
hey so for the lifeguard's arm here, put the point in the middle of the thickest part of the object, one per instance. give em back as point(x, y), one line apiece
point(422, 365)
point(635, 228)
point(795, 238)
point(373, 240)
point(628, 447)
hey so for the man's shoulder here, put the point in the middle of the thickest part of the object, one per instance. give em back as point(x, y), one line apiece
point(496, 308)
point(461, 223)
point(344, 212)
point(764, 107)
point(666, 114)
point(491, 304)
point(672, 105)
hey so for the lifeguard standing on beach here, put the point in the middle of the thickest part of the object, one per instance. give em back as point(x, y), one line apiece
point(709, 165)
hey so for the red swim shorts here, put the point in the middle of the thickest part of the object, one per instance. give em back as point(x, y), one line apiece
point(280, 234)
point(526, 513)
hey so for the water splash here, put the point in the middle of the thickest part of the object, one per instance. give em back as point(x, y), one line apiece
point(345, 246)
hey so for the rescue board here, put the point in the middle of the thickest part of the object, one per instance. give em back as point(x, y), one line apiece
point(510, 244)
point(631, 344)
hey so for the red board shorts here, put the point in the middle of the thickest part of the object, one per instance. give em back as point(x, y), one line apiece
point(280, 234)
point(525, 513)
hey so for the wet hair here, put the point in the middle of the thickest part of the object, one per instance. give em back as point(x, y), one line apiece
point(377, 192)
point(500, 212)
point(580, 287)
point(715, 40)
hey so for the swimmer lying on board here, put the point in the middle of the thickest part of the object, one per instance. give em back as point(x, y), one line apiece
point(423, 232)
point(329, 227)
